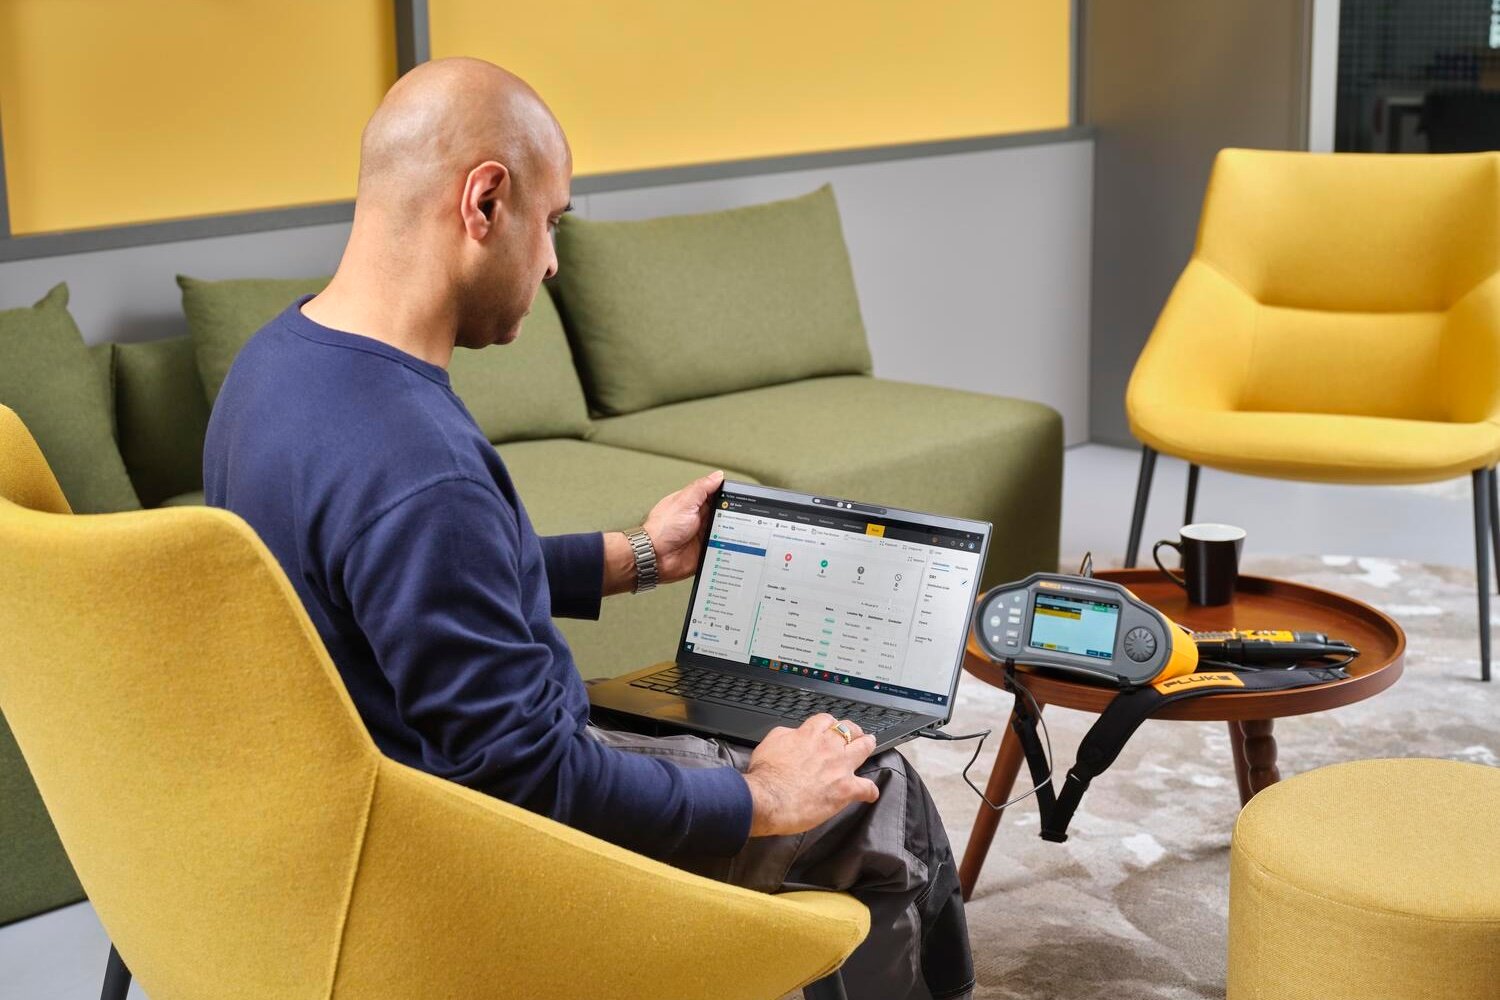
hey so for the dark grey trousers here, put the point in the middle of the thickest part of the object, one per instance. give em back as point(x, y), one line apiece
point(892, 855)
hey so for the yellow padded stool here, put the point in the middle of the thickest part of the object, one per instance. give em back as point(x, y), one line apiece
point(1375, 880)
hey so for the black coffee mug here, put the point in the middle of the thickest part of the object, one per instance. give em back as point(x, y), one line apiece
point(1210, 561)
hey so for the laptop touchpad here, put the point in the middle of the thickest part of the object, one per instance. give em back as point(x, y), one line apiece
point(714, 717)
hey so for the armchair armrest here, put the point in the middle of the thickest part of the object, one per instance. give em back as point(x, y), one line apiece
point(458, 894)
point(1469, 357)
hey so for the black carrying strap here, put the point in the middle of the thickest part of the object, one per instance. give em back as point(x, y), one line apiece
point(1119, 721)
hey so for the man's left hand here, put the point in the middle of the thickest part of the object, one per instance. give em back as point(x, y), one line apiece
point(677, 525)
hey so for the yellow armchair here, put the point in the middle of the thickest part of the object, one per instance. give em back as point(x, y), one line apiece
point(240, 836)
point(1339, 321)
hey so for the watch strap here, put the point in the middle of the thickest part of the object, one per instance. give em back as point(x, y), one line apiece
point(645, 560)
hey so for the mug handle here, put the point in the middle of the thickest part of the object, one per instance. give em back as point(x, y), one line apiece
point(1156, 555)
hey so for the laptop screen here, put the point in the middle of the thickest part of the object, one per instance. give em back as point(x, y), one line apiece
point(844, 593)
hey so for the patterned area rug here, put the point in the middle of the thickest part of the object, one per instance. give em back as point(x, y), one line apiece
point(1135, 904)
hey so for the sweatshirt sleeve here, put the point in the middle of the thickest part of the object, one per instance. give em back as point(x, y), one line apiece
point(575, 573)
point(435, 583)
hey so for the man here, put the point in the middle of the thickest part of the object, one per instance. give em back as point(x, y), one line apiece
point(337, 437)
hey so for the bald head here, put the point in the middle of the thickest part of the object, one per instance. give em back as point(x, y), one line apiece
point(440, 120)
point(463, 177)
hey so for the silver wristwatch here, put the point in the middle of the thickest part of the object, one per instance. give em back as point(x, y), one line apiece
point(645, 560)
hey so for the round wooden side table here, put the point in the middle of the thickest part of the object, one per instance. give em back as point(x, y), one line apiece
point(1259, 602)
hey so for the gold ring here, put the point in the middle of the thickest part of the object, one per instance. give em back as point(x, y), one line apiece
point(842, 730)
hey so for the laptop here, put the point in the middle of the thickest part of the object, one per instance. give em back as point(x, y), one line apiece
point(805, 604)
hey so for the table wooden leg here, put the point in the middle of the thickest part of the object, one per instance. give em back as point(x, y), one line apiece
point(1008, 760)
point(1260, 754)
point(1241, 769)
point(1255, 756)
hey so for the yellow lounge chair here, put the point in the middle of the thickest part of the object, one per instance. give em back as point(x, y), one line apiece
point(1339, 322)
point(240, 836)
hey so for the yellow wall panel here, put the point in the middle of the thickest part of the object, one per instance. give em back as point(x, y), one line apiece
point(651, 84)
point(119, 111)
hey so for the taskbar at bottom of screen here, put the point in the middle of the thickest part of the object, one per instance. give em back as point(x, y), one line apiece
point(833, 677)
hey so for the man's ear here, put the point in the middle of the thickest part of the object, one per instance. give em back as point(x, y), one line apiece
point(485, 195)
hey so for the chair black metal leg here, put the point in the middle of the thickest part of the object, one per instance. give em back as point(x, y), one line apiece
point(1495, 520)
point(1482, 481)
point(116, 977)
point(830, 987)
point(1192, 495)
point(1142, 493)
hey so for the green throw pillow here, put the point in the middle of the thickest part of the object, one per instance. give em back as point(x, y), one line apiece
point(676, 308)
point(56, 386)
point(103, 356)
point(163, 416)
point(527, 389)
point(223, 315)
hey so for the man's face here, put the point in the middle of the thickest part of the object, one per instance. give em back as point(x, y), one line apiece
point(519, 253)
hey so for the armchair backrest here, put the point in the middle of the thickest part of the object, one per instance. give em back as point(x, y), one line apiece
point(203, 765)
point(1351, 283)
point(1353, 233)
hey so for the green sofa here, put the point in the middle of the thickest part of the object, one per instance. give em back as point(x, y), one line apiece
point(664, 349)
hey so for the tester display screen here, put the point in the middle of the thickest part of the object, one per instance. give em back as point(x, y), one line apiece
point(1075, 625)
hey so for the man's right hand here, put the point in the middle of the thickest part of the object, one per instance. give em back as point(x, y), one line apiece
point(800, 777)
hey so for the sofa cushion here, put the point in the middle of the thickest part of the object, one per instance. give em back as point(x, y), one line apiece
point(192, 498)
point(570, 486)
point(676, 308)
point(60, 391)
point(35, 875)
point(527, 389)
point(162, 417)
point(911, 446)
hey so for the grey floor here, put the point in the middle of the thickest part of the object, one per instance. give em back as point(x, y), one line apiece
point(60, 955)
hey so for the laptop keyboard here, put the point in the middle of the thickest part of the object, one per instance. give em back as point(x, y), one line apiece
point(792, 704)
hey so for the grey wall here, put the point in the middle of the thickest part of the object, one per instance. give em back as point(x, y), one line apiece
point(1166, 84)
point(972, 267)
point(131, 294)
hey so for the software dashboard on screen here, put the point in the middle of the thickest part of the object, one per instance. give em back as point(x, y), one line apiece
point(837, 595)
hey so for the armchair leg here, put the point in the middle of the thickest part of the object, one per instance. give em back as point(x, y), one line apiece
point(1142, 493)
point(830, 987)
point(1482, 499)
point(116, 977)
point(1192, 495)
point(1495, 519)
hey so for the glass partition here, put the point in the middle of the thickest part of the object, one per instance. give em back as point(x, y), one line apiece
point(1418, 76)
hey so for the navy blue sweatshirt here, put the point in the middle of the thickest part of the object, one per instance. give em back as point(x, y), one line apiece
point(403, 534)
